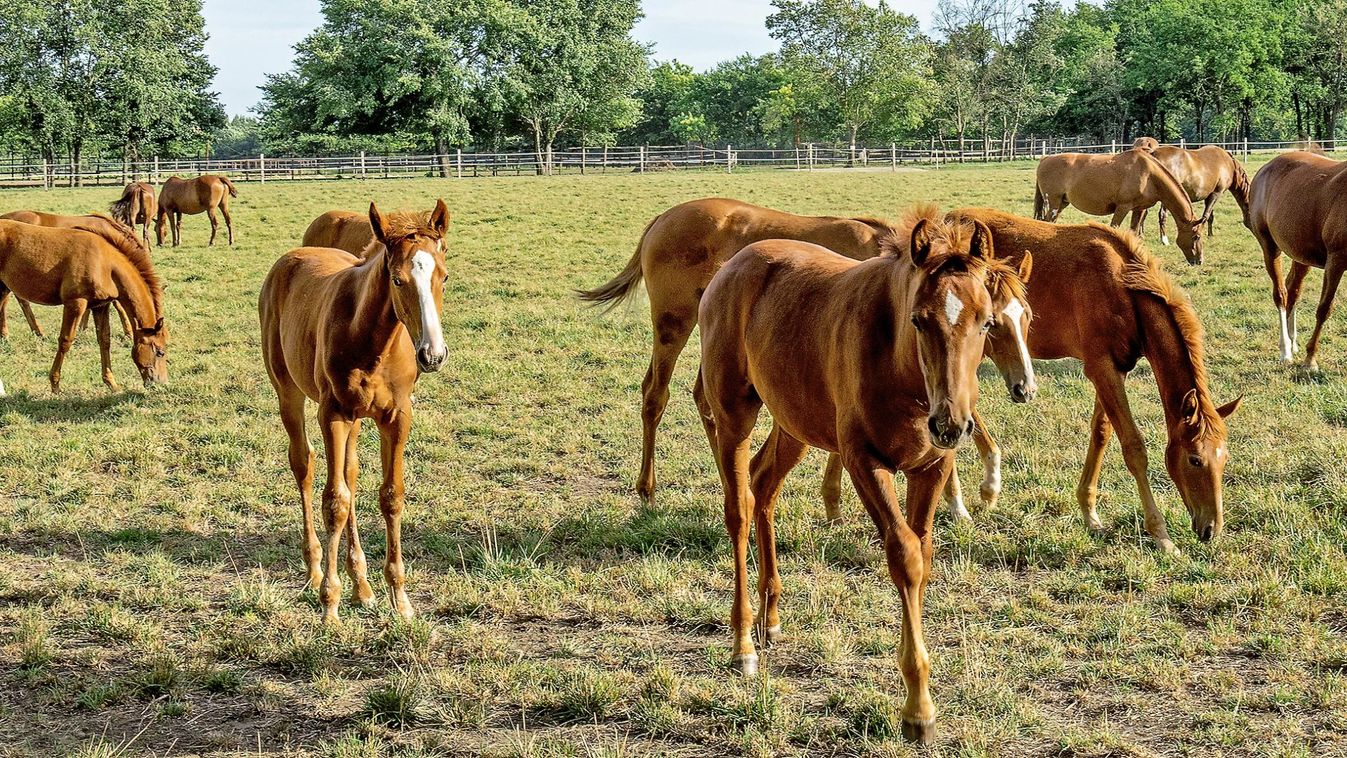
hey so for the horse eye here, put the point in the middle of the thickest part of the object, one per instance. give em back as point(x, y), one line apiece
point(397, 281)
point(1195, 461)
point(916, 323)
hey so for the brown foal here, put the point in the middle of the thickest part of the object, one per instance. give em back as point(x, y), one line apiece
point(875, 360)
point(353, 334)
point(344, 230)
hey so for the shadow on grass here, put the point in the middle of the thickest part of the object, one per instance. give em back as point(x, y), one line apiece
point(48, 408)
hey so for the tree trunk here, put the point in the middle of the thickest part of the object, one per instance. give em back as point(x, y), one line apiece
point(851, 157)
point(538, 146)
point(442, 155)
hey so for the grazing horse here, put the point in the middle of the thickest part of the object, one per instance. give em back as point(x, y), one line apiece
point(1204, 174)
point(79, 269)
point(97, 223)
point(1298, 205)
point(137, 205)
point(1100, 298)
point(344, 230)
point(1149, 144)
point(192, 196)
point(1100, 185)
point(353, 334)
point(875, 360)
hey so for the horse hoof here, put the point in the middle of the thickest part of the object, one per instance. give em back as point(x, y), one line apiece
point(920, 731)
point(745, 665)
point(363, 596)
point(771, 635)
point(1167, 547)
point(330, 616)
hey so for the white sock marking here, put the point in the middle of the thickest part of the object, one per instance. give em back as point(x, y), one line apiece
point(1286, 344)
point(953, 307)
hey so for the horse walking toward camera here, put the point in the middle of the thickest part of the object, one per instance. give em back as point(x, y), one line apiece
point(113, 231)
point(80, 270)
point(1298, 206)
point(353, 334)
point(875, 360)
point(1100, 298)
point(1204, 174)
point(137, 205)
point(679, 251)
point(1100, 185)
point(202, 194)
point(344, 230)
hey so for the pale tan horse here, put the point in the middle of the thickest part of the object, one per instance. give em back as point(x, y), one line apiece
point(200, 194)
point(353, 334)
point(80, 269)
point(1100, 298)
point(875, 360)
point(1128, 182)
point(113, 231)
point(1146, 143)
point(1204, 174)
point(1298, 206)
point(137, 205)
point(344, 230)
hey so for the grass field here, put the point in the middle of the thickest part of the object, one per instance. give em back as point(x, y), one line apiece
point(151, 582)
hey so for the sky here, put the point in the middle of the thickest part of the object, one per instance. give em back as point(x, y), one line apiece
point(252, 38)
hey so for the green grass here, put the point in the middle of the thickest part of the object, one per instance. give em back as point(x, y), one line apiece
point(151, 581)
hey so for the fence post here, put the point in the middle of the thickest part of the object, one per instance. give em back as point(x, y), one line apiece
point(362, 164)
point(797, 157)
point(458, 163)
point(1183, 142)
point(893, 156)
point(729, 158)
point(1246, 148)
point(1113, 146)
point(640, 166)
point(46, 174)
point(811, 156)
point(582, 159)
point(262, 167)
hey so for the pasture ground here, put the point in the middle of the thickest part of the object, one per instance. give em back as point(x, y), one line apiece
point(151, 586)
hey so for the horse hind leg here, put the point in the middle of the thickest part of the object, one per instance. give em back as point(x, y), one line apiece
point(103, 327)
point(1333, 271)
point(1295, 280)
point(70, 319)
point(301, 466)
point(1272, 262)
point(769, 468)
point(672, 329)
point(229, 220)
point(214, 225)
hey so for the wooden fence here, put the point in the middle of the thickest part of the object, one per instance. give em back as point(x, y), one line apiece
point(27, 172)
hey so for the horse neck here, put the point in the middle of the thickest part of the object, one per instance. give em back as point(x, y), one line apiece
point(373, 317)
point(1172, 196)
point(1173, 364)
point(133, 293)
point(1239, 186)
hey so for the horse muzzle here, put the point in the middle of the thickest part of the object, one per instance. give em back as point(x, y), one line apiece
point(946, 434)
point(1023, 392)
point(430, 359)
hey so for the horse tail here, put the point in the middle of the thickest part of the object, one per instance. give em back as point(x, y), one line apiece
point(230, 185)
point(620, 287)
point(124, 209)
point(1038, 202)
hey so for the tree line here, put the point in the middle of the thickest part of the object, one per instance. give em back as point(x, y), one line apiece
point(130, 77)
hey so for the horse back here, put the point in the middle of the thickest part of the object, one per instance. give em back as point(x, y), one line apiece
point(1300, 198)
point(344, 230)
point(49, 265)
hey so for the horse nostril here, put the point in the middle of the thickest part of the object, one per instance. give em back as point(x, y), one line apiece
point(933, 427)
point(968, 428)
point(1205, 535)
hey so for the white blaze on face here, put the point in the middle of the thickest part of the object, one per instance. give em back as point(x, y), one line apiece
point(423, 268)
point(953, 307)
point(1013, 312)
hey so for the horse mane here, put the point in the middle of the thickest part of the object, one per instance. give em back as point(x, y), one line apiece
point(881, 226)
point(1143, 273)
point(129, 245)
point(403, 224)
point(1239, 185)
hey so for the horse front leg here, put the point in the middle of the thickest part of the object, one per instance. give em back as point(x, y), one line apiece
point(1087, 492)
point(393, 434)
point(70, 319)
point(356, 566)
point(1273, 263)
point(336, 427)
point(908, 551)
point(832, 489)
point(103, 326)
point(1207, 212)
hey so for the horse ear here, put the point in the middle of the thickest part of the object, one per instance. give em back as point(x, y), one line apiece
point(439, 218)
point(1189, 406)
point(378, 224)
point(921, 242)
point(1225, 410)
point(1026, 266)
point(981, 245)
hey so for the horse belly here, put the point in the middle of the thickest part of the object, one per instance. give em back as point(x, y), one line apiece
point(35, 284)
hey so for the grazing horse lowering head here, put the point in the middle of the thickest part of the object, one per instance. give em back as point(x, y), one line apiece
point(1196, 456)
point(1007, 344)
point(414, 259)
point(951, 312)
point(149, 351)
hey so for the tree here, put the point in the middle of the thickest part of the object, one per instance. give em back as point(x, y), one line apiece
point(383, 72)
point(666, 99)
point(568, 67)
point(870, 63)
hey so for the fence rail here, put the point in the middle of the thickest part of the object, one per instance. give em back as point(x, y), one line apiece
point(27, 172)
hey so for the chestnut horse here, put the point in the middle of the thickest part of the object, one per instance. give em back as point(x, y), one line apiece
point(353, 334)
point(344, 230)
point(1149, 144)
point(1100, 185)
point(1297, 206)
point(111, 230)
point(1100, 298)
point(137, 205)
point(192, 196)
point(875, 360)
point(1204, 174)
point(79, 269)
